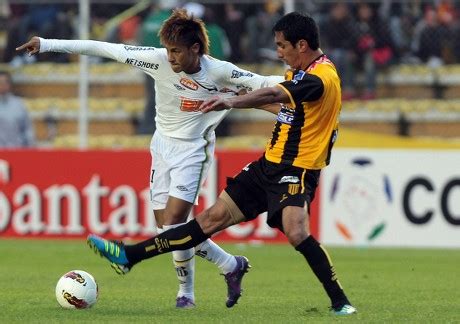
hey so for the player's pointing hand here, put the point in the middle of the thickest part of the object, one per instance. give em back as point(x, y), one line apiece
point(32, 46)
point(215, 104)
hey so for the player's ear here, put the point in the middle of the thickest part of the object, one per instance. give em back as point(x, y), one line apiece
point(195, 48)
point(302, 45)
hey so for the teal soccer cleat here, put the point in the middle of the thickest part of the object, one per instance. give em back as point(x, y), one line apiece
point(114, 251)
point(345, 309)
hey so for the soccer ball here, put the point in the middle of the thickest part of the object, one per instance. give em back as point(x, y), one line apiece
point(76, 289)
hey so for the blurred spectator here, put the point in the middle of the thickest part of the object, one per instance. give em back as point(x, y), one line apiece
point(128, 30)
point(338, 41)
point(5, 14)
point(219, 43)
point(16, 128)
point(401, 17)
point(219, 46)
point(456, 40)
point(234, 27)
point(48, 20)
point(374, 47)
point(259, 32)
point(149, 37)
point(430, 38)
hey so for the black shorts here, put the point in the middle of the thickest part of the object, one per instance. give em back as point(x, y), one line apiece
point(264, 186)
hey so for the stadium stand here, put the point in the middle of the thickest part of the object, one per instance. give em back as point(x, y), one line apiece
point(117, 100)
point(416, 93)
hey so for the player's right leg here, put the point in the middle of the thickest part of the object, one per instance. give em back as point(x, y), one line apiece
point(171, 211)
point(113, 251)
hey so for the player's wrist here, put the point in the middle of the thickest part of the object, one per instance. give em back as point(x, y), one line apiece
point(229, 103)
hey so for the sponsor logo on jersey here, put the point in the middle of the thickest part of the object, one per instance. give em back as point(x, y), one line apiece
point(242, 87)
point(178, 87)
point(189, 104)
point(292, 179)
point(238, 74)
point(299, 75)
point(142, 64)
point(285, 117)
point(284, 107)
point(138, 48)
point(189, 84)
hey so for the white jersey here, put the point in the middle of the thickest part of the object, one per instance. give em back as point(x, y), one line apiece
point(178, 95)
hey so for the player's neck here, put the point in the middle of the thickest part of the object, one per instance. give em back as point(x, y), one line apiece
point(194, 68)
point(311, 57)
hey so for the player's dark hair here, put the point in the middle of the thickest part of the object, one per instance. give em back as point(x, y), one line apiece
point(180, 28)
point(296, 26)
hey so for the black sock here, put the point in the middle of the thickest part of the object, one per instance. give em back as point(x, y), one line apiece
point(179, 238)
point(321, 265)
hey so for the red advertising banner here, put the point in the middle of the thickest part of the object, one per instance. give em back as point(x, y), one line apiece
point(69, 194)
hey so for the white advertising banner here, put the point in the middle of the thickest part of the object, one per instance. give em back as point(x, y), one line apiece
point(407, 198)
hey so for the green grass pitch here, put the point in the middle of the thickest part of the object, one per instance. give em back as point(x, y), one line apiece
point(386, 285)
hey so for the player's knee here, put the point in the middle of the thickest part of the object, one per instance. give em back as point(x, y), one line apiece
point(295, 224)
point(174, 216)
point(296, 236)
point(214, 219)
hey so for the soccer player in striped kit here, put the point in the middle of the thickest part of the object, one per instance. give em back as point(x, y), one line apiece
point(284, 180)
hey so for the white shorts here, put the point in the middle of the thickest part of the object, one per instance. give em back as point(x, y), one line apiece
point(179, 167)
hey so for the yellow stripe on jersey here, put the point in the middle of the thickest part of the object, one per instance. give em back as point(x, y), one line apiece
point(288, 93)
point(306, 129)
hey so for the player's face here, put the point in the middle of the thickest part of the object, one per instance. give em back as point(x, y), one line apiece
point(183, 58)
point(288, 53)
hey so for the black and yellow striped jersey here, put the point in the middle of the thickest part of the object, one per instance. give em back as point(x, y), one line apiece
point(306, 128)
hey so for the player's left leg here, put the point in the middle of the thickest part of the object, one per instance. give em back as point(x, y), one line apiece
point(296, 228)
point(173, 216)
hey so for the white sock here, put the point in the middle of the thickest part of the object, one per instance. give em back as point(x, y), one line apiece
point(184, 263)
point(212, 252)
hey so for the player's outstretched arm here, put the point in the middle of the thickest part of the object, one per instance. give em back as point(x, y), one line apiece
point(145, 59)
point(271, 108)
point(256, 99)
point(32, 47)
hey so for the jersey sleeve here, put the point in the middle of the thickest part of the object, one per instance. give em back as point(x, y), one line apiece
point(144, 58)
point(309, 88)
point(243, 79)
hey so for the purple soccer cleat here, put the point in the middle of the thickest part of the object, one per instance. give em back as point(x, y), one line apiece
point(233, 280)
point(184, 302)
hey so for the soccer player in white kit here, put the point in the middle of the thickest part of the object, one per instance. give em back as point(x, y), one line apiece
point(182, 146)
